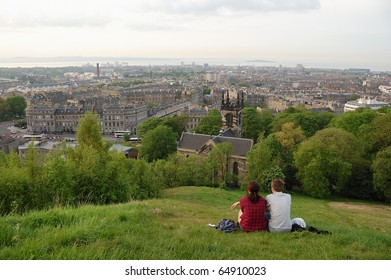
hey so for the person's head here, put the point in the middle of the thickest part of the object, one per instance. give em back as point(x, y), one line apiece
point(277, 185)
point(252, 190)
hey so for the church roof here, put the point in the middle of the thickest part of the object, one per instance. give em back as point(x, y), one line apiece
point(194, 142)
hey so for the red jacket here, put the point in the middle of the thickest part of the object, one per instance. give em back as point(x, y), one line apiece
point(253, 217)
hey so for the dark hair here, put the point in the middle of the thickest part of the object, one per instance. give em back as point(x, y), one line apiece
point(253, 189)
point(278, 185)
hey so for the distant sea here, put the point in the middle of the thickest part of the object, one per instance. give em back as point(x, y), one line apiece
point(78, 61)
point(131, 61)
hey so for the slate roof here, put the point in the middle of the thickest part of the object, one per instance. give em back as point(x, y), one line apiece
point(194, 142)
point(228, 133)
point(240, 145)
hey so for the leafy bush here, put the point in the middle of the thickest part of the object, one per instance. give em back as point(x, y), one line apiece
point(6, 234)
point(382, 173)
point(14, 190)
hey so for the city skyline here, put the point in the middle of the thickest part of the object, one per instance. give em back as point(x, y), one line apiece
point(315, 33)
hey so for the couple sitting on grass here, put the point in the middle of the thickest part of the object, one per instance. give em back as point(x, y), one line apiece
point(272, 213)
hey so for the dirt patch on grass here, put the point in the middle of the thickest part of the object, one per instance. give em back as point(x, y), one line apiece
point(362, 207)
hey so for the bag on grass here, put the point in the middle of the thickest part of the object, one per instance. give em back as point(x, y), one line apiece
point(226, 225)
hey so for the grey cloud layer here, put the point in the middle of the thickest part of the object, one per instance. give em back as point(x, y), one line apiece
point(139, 14)
point(216, 6)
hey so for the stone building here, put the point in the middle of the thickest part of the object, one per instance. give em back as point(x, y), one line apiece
point(151, 96)
point(231, 112)
point(201, 144)
point(123, 118)
point(195, 116)
point(65, 119)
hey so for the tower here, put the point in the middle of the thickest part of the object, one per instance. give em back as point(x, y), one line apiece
point(97, 70)
point(231, 112)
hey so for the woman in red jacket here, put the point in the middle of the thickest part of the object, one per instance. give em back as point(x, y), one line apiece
point(252, 210)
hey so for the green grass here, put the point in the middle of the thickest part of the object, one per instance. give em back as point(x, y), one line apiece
point(174, 228)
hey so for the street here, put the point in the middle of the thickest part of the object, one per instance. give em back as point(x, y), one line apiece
point(7, 128)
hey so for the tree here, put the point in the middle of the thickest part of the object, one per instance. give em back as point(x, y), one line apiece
point(376, 135)
point(325, 161)
point(5, 110)
point(206, 91)
point(148, 125)
point(252, 123)
point(352, 121)
point(126, 137)
point(382, 173)
point(289, 136)
point(309, 121)
point(14, 184)
point(58, 179)
point(260, 165)
point(267, 118)
point(89, 132)
point(177, 123)
point(218, 161)
point(21, 123)
point(17, 105)
point(158, 143)
point(288, 139)
point(210, 124)
point(143, 182)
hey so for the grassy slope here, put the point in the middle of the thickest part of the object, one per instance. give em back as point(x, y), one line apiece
point(175, 228)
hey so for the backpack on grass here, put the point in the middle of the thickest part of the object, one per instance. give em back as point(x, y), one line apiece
point(226, 225)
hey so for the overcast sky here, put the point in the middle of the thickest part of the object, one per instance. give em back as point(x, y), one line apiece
point(334, 33)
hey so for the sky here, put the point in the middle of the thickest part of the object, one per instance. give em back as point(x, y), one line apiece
point(324, 33)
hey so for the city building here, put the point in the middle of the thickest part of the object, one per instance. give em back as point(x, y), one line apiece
point(364, 103)
point(195, 116)
point(385, 89)
point(123, 118)
point(65, 119)
point(231, 112)
point(212, 77)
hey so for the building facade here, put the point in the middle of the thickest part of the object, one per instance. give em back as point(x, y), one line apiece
point(65, 119)
point(231, 112)
point(364, 103)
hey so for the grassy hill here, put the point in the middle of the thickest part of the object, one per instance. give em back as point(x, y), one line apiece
point(174, 227)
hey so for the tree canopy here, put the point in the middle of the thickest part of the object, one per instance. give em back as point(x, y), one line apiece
point(158, 143)
point(325, 161)
point(309, 121)
point(89, 132)
point(210, 124)
point(252, 123)
point(12, 107)
point(352, 121)
point(177, 123)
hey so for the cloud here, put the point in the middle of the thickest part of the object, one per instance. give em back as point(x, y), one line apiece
point(221, 6)
point(153, 13)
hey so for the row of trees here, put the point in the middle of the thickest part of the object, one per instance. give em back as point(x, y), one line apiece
point(347, 155)
point(12, 107)
point(323, 154)
point(89, 173)
point(92, 173)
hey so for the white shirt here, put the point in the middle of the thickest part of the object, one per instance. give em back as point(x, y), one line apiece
point(279, 204)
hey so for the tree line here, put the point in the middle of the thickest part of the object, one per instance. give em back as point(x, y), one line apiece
point(323, 153)
point(320, 154)
point(92, 173)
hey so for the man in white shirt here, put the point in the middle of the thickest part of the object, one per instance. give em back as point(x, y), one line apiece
point(279, 205)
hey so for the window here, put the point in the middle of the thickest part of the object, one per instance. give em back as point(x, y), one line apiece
point(229, 118)
point(235, 169)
